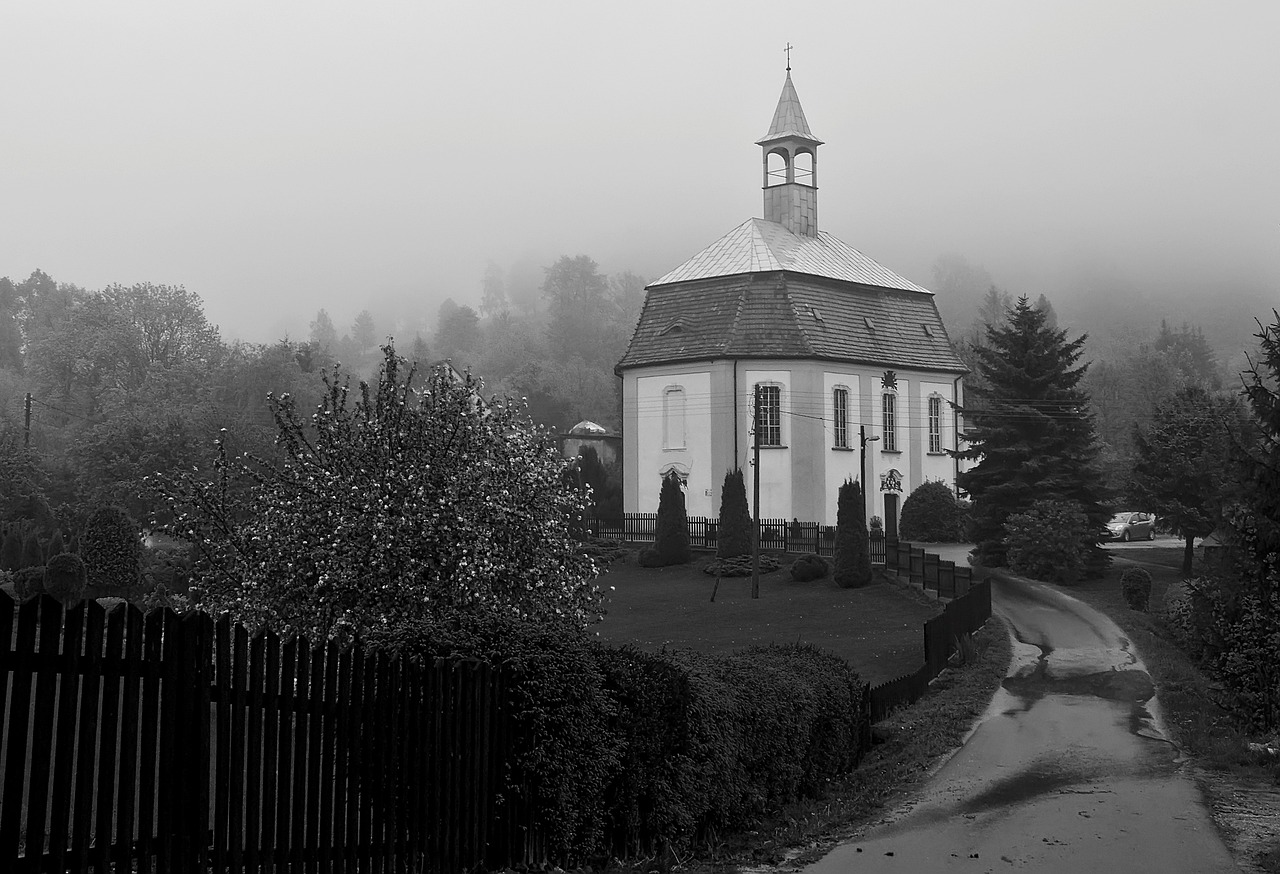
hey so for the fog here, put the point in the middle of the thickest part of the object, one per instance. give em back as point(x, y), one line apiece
point(279, 158)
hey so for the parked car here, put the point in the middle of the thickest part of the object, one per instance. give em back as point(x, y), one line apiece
point(1130, 525)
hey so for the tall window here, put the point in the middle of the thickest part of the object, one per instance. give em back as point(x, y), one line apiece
point(840, 417)
point(935, 423)
point(673, 418)
point(770, 423)
point(890, 422)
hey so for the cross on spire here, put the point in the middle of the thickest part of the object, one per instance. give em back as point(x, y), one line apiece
point(788, 50)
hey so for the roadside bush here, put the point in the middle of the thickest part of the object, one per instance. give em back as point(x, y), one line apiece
point(65, 577)
point(930, 514)
point(671, 536)
point(1135, 585)
point(112, 551)
point(710, 742)
point(734, 538)
point(809, 567)
point(1049, 542)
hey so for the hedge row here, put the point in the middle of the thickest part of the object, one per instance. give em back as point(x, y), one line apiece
point(631, 750)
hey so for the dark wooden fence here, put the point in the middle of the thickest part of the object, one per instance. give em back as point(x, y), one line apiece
point(776, 535)
point(161, 742)
point(968, 609)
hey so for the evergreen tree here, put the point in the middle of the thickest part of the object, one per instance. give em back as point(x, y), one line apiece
point(734, 538)
point(57, 545)
point(11, 548)
point(112, 549)
point(1259, 525)
point(852, 558)
point(1030, 433)
point(671, 537)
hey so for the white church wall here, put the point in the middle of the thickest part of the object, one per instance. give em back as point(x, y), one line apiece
point(936, 466)
point(672, 431)
point(841, 464)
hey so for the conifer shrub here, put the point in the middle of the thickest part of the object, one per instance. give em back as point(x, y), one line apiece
point(1051, 541)
point(930, 514)
point(852, 552)
point(57, 544)
point(1135, 585)
point(807, 568)
point(111, 549)
point(65, 577)
point(671, 535)
point(734, 538)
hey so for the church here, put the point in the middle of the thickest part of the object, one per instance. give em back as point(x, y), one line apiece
point(846, 357)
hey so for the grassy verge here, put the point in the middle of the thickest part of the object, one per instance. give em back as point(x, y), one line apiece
point(913, 741)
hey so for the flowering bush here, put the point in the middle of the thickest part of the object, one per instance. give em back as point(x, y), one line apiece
point(411, 500)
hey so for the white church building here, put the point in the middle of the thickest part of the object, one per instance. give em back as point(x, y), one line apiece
point(838, 346)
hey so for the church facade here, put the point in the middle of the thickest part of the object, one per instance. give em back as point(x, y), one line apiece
point(843, 355)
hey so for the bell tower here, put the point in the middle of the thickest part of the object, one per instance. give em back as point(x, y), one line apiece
point(790, 154)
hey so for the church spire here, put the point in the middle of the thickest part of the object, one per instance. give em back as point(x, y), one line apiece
point(790, 153)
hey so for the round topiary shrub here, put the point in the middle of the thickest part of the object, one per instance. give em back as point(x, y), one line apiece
point(809, 567)
point(930, 514)
point(1135, 585)
point(65, 577)
point(111, 548)
point(28, 582)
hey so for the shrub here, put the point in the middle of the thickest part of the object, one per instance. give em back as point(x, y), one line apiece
point(28, 582)
point(1135, 585)
point(56, 544)
point(930, 515)
point(741, 566)
point(65, 577)
point(671, 535)
point(565, 747)
point(809, 567)
point(1050, 541)
point(735, 517)
point(11, 548)
point(32, 554)
point(112, 550)
point(709, 742)
point(852, 556)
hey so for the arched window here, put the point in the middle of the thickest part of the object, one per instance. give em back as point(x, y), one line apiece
point(803, 168)
point(673, 417)
point(889, 421)
point(776, 171)
point(840, 417)
point(935, 423)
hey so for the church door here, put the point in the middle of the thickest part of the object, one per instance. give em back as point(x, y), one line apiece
point(890, 516)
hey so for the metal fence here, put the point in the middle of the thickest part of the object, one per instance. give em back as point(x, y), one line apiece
point(776, 535)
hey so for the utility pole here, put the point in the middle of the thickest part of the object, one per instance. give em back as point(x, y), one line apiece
point(755, 508)
point(863, 440)
point(26, 433)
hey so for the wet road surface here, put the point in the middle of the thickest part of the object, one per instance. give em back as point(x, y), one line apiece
point(1067, 772)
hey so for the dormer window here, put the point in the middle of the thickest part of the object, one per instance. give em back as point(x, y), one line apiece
point(871, 325)
point(927, 331)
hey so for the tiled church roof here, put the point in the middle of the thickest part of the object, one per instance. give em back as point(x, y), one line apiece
point(778, 314)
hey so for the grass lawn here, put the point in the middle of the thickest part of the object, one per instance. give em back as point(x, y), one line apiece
point(878, 629)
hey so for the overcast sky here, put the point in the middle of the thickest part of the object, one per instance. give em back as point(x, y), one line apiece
point(278, 157)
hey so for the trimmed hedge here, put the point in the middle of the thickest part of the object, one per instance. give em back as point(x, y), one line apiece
point(111, 547)
point(931, 514)
point(632, 751)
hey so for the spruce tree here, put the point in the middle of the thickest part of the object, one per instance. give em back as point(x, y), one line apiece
point(671, 536)
point(852, 559)
point(734, 538)
point(1258, 527)
point(1030, 434)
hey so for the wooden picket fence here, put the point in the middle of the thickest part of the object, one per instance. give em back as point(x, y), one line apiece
point(966, 612)
point(776, 535)
point(161, 742)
